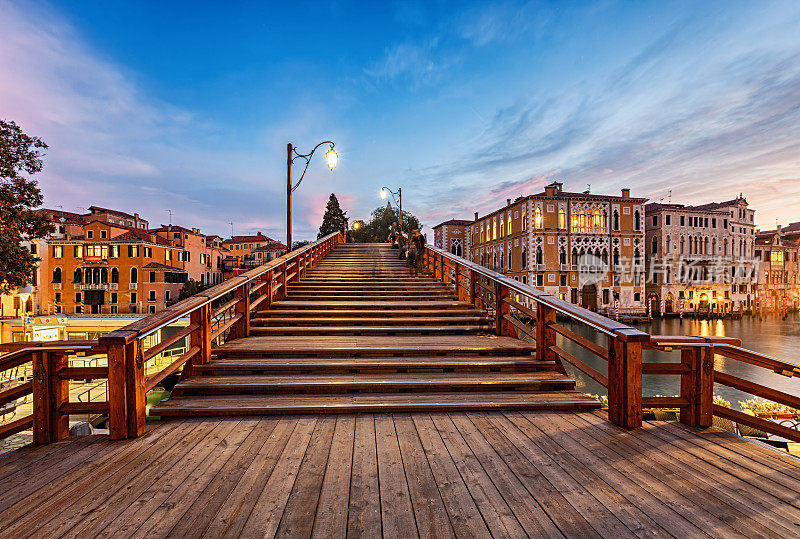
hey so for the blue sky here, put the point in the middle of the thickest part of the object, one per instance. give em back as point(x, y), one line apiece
point(188, 106)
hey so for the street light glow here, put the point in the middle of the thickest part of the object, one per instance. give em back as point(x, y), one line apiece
point(356, 225)
point(384, 194)
point(332, 157)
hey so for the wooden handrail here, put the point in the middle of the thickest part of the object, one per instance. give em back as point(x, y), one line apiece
point(127, 382)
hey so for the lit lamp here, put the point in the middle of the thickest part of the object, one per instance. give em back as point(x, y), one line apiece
point(385, 192)
point(24, 294)
point(331, 157)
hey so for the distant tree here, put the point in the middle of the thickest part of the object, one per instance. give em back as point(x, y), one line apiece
point(190, 288)
point(298, 244)
point(334, 218)
point(377, 229)
point(20, 154)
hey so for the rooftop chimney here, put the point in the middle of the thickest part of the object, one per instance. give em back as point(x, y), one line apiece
point(476, 216)
point(508, 202)
point(626, 193)
point(135, 215)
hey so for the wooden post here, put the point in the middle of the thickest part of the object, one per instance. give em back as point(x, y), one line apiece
point(625, 379)
point(117, 403)
point(502, 326)
point(49, 392)
point(457, 283)
point(59, 389)
point(201, 336)
point(697, 386)
point(545, 335)
point(473, 288)
point(269, 290)
point(135, 394)
point(242, 328)
point(282, 293)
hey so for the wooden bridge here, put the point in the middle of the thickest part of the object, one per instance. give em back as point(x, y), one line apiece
point(334, 392)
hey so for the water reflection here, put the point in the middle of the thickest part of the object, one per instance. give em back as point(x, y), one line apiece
point(772, 336)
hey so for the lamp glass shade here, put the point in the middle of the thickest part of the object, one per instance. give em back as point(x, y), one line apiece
point(383, 194)
point(332, 158)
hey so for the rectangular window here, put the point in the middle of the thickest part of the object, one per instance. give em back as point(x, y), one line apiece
point(58, 297)
point(713, 222)
point(103, 234)
point(655, 220)
point(148, 252)
point(113, 297)
point(132, 309)
point(151, 309)
point(77, 250)
point(682, 220)
point(89, 234)
point(133, 251)
point(114, 251)
point(133, 297)
point(166, 295)
point(152, 276)
point(114, 309)
point(77, 297)
point(152, 296)
point(563, 279)
point(33, 248)
point(58, 251)
point(168, 255)
point(667, 220)
point(540, 280)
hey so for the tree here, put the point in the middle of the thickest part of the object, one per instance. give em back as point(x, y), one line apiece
point(377, 229)
point(298, 244)
point(334, 218)
point(20, 154)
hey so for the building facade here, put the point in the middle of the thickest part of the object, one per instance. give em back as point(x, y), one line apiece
point(700, 258)
point(454, 236)
point(244, 251)
point(778, 252)
point(584, 248)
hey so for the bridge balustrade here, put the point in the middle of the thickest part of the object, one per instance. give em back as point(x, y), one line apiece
point(521, 310)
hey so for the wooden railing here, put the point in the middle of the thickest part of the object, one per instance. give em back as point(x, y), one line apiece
point(518, 310)
point(221, 312)
point(49, 387)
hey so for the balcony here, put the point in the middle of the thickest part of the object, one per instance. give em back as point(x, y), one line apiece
point(132, 286)
point(93, 286)
point(114, 286)
point(564, 267)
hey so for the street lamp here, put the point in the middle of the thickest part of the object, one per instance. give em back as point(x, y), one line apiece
point(24, 294)
point(332, 159)
point(385, 192)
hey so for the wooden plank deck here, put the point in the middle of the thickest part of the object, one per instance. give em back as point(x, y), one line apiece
point(439, 474)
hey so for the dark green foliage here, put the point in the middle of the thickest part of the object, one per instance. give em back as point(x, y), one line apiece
point(20, 154)
point(298, 244)
point(334, 218)
point(190, 288)
point(377, 229)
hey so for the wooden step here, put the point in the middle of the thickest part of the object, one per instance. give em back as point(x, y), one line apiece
point(425, 329)
point(333, 319)
point(409, 294)
point(239, 405)
point(375, 346)
point(366, 313)
point(345, 364)
point(373, 383)
point(356, 298)
point(369, 304)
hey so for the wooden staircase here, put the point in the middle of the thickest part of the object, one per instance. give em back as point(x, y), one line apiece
point(361, 332)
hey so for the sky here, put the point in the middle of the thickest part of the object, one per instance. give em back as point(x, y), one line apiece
point(188, 106)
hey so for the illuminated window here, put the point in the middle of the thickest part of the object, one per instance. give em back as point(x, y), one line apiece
point(508, 227)
point(562, 219)
point(494, 230)
point(537, 218)
point(776, 256)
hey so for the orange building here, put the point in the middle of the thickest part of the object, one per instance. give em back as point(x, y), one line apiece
point(201, 256)
point(454, 236)
point(113, 269)
point(584, 248)
point(246, 249)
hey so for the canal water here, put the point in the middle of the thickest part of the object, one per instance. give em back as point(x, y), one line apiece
point(772, 336)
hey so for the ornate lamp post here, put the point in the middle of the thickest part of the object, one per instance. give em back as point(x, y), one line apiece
point(291, 154)
point(385, 192)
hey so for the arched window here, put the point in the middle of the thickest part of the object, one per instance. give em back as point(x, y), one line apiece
point(637, 220)
point(605, 219)
point(562, 256)
point(637, 257)
point(574, 257)
point(667, 246)
point(616, 256)
point(655, 246)
point(581, 220)
point(597, 221)
point(574, 219)
point(501, 226)
point(510, 265)
point(104, 275)
point(539, 255)
point(537, 218)
point(96, 276)
point(77, 276)
point(524, 259)
point(134, 275)
point(683, 245)
point(114, 275)
point(605, 257)
point(494, 261)
point(725, 247)
point(562, 219)
point(502, 260)
point(615, 220)
point(57, 275)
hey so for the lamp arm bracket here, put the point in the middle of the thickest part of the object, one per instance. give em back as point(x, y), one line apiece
point(307, 158)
